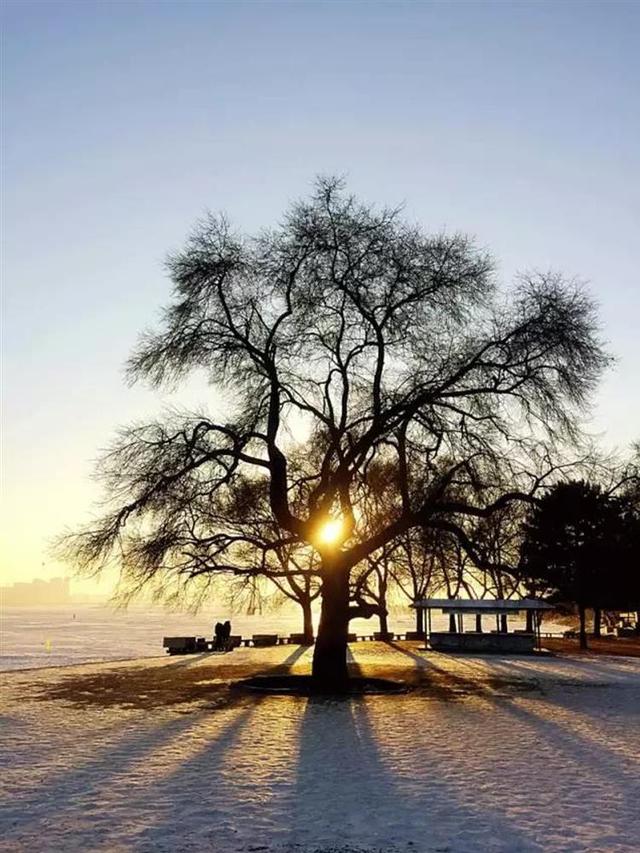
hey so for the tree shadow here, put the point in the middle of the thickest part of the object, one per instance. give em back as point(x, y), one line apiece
point(195, 794)
point(588, 754)
point(558, 672)
point(292, 658)
point(439, 682)
point(293, 774)
point(69, 792)
point(147, 688)
point(119, 799)
point(349, 792)
point(577, 763)
point(65, 789)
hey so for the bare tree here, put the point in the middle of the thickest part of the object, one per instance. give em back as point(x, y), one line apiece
point(384, 343)
point(498, 539)
point(417, 566)
point(303, 588)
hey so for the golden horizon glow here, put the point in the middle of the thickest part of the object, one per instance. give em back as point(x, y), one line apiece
point(331, 531)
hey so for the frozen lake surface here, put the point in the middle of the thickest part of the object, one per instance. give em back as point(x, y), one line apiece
point(59, 636)
point(528, 754)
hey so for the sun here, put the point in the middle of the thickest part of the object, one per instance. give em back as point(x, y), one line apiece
point(330, 531)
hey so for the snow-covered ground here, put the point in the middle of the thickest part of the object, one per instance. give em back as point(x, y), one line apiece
point(517, 754)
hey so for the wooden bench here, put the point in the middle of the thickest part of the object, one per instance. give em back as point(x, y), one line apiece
point(262, 640)
point(299, 640)
point(180, 645)
point(192, 645)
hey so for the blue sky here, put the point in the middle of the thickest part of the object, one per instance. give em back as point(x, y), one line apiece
point(122, 122)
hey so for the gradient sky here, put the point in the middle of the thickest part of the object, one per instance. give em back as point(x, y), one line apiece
point(123, 122)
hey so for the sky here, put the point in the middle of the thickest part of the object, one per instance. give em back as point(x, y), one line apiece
point(123, 122)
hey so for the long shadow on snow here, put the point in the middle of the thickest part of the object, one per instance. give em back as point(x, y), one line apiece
point(347, 792)
point(66, 790)
point(612, 790)
point(588, 757)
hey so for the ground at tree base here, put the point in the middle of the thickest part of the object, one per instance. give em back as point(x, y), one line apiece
point(484, 753)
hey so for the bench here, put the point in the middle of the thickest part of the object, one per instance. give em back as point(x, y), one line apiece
point(262, 640)
point(192, 645)
point(180, 645)
point(300, 640)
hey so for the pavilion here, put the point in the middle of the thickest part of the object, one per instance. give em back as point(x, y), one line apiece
point(498, 639)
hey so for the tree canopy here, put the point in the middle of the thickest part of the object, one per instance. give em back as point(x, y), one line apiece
point(581, 547)
point(347, 342)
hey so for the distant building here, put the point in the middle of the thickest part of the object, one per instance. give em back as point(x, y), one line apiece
point(55, 591)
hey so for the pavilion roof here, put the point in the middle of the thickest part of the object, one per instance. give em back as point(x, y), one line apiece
point(481, 605)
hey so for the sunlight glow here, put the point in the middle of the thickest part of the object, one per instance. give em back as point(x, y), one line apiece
point(330, 531)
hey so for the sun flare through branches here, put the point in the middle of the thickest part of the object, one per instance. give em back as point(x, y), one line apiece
point(330, 532)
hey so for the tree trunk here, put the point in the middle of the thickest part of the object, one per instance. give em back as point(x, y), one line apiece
point(530, 627)
point(307, 621)
point(384, 623)
point(330, 653)
point(503, 623)
point(453, 627)
point(583, 626)
point(419, 620)
point(479, 623)
point(382, 597)
point(597, 622)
